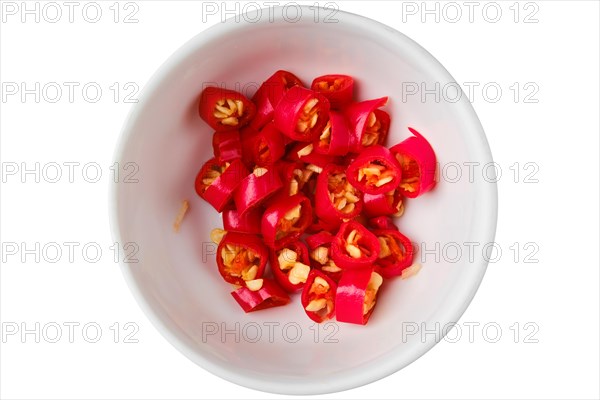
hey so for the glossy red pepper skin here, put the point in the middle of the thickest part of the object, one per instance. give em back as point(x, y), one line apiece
point(339, 140)
point(264, 108)
point(357, 115)
point(208, 101)
point(227, 145)
point(218, 194)
point(268, 146)
point(350, 296)
point(339, 97)
point(282, 276)
point(382, 222)
point(268, 296)
point(278, 84)
point(275, 212)
point(291, 108)
point(324, 208)
point(368, 244)
point(394, 264)
point(319, 225)
point(247, 241)
point(289, 171)
point(248, 139)
point(319, 239)
point(247, 223)
point(376, 205)
point(379, 155)
point(254, 190)
point(418, 149)
point(307, 296)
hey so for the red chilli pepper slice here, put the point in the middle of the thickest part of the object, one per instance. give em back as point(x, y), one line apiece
point(264, 108)
point(368, 125)
point(291, 266)
point(248, 138)
point(382, 222)
point(291, 175)
point(216, 181)
point(396, 253)
point(354, 246)
point(268, 146)
point(256, 188)
point(278, 84)
point(247, 223)
point(356, 295)
point(224, 109)
point(227, 145)
point(260, 294)
point(241, 257)
point(301, 114)
point(335, 198)
point(418, 161)
point(375, 171)
point(334, 139)
point(337, 88)
point(318, 297)
point(320, 255)
point(285, 219)
point(390, 203)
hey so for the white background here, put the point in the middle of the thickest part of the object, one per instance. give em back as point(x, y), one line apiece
point(558, 215)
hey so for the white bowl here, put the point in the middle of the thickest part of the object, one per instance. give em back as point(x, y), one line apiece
point(176, 281)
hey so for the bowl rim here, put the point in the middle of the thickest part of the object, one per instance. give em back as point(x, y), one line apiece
point(356, 377)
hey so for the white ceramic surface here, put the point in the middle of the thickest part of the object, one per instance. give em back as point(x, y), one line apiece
point(176, 281)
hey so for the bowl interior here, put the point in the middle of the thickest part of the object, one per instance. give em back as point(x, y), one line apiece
point(176, 280)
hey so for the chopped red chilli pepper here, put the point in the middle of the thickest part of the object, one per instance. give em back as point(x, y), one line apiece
point(255, 188)
point(305, 152)
point(260, 294)
point(336, 200)
point(301, 114)
point(318, 297)
point(354, 246)
point(304, 183)
point(241, 257)
point(225, 110)
point(396, 253)
point(216, 181)
point(247, 223)
point(337, 88)
point(285, 219)
point(334, 139)
point(356, 295)
point(390, 203)
point(382, 222)
point(291, 266)
point(367, 124)
point(278, 84)
point(320, 254)
point(374, 171)
point(264, 108)
point(418, 162)
point(268, 146)
point(227, 145)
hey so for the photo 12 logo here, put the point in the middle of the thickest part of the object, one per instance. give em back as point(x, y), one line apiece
point(254, 12)
point(53, 12)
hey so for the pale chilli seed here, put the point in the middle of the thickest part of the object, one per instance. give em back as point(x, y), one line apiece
point(254, 285)
point(353, 251)
point(216, 235)
point(316, 305)
point(260, 171)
